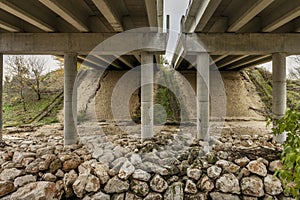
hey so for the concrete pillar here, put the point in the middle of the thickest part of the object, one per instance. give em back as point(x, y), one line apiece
point(279, 89)
point(70, 99)
point(1, 94)
point(203, 96)
point(146, 95)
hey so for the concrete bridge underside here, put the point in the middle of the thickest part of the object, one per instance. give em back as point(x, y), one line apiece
point(232, 34)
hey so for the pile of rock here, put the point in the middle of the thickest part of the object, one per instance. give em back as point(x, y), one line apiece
point(42, 168)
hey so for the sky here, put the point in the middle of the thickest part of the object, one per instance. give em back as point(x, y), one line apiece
point(174, 8)
point(51, 64)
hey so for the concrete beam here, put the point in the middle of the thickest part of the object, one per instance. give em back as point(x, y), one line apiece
point(9, 27)
point(247, 61)
point(288, 11)
point(147, 95)
point(18, 12)
point(279, 89)
point(110, 14)
point(137, 57)
point(160, 13)
point(125, 61)
point(199, 13)
point(151, 12)
point(1, 95)
point(241, 44)
point(109, 61)
point(247, 13)
point(230, 60)
point(203, 96)
point(82, 43)
point(70, 99)
point(66, 14)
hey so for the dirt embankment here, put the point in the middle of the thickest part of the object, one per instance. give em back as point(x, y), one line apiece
point(115, 95)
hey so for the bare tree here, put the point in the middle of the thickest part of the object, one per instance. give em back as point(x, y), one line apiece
point(18, 71)
point(295, 72)
point(36, 66)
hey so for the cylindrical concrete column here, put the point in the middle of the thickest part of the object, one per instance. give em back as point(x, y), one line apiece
point(203, 96)
point(279, 89)
point(70, 99)
point(1, 94)
point(146, 95)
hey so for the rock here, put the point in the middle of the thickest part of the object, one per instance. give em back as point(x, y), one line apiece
point(228, 183)
point(72, 163)
point(101, 196)
point(243, 173)
point(118, 196)
point(126, 170)
point(36, 191)
point(158, 184)
point(119, 161)
point(153, 196)
point(222, 196)
point(251, 198)
point(242, 162)
point(214, 172)
point(115, 185)
point(79, 185)
point(6, 187)
point(93, 184)
point(272, 185)
point(68, 181)
point(55, 165)
point(23, 180)
point(141, 175)
point(44, 150)
point(174, 192)
point(49, 177)
point(205, 184)
point(106, 157)
point(252, 186)
point(101, 171)
point(152, 167)
point(86, 167)
point(135, 159)
point(139, 188)
point(190, 187)
point(33, 167)
point(10, 174)
point(228, 166)
point(258, 168)
point(60, 173)
point(97, 153)
point(131, 196)
point(115, 170)
point(194, 173)
point(198, 196)
point(275, 165)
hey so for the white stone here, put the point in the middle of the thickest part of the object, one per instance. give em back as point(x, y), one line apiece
point(126, 170)
point(228, 183)
point(158, 184)
point(214, 171)
point(272, 185)
point(190, 187)
point(141, 175)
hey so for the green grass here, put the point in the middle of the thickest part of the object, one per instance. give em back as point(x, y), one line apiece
point(14, 115)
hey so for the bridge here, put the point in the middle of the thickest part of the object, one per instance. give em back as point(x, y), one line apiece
point(233, 34)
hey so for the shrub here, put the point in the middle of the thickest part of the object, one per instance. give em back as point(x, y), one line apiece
point(290, 156)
